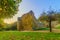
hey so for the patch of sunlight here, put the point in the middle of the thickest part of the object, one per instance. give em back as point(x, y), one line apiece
point(0, 9)
point(8, 21)
point(57, 25)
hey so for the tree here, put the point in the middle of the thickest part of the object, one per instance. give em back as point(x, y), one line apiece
point(43, 17)
point(58, 16)
point(8, 8)
point(50, 16)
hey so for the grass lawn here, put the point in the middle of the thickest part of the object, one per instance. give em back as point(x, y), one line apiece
point(15, 35)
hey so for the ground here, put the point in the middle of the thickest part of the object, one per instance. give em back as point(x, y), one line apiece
point(16, 35)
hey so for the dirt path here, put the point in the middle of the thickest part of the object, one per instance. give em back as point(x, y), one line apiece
point(54, 30)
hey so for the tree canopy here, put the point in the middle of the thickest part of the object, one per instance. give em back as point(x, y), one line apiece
point(8, 8)
point(45, 16)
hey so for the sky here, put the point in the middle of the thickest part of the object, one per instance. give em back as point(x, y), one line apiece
point(37, 6)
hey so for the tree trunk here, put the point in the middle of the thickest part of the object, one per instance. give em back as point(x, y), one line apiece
point(50, 24)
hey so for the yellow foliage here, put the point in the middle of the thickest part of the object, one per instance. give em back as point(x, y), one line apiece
point(0, 9)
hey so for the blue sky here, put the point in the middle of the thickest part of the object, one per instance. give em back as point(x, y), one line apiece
point(37, 6)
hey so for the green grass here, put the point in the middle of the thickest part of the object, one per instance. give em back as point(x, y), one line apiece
point(57, 26)
point(29, 36)
point(43, 29)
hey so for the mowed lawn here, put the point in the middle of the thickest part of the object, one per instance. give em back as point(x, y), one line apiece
point(15, 35)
